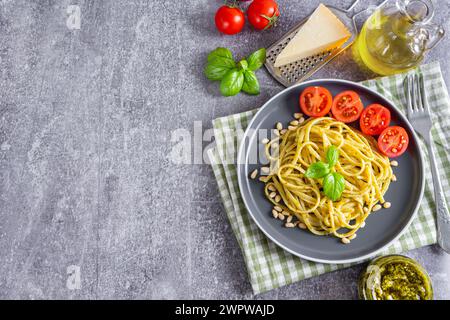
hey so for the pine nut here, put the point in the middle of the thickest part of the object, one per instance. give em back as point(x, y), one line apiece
point(394, 163)
point(387, 205)
point(265, 170)
point(283, 131)
point(363, 224)
point(265, 141)
point(289, 219)
point(353, 236)
point(278, 208)
point(277, 198)
point(291, 128)
point(281, 217)
point(294, 123)
point(286, 213)
point(298, 115)
point(275, 214)
point(394, 177)
point(263, 179)
point(301, 225)
point(345, 241)
point(271, 188)
point(289, 225)
point(366, 209)
point(272, 195)
point(279, 126)
point(376, 208)
point(253, 174)
point(301, 120)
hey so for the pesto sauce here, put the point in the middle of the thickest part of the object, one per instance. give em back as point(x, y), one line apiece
point(401, 281)
point(395, 277)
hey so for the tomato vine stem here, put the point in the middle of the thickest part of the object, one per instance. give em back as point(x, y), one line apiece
point(272, 20)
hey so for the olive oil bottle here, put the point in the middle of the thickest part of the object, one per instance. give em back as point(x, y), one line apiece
point(396, 36)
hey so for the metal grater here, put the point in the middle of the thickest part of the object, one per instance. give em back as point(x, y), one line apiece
point(301, 70)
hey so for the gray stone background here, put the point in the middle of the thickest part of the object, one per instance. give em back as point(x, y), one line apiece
point(86, 118)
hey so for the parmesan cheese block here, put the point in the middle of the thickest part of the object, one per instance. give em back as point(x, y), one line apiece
point(323, 31)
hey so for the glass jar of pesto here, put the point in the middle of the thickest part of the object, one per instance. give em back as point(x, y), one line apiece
point(395, 277)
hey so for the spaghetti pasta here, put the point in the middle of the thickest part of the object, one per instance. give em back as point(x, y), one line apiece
point(367, 176)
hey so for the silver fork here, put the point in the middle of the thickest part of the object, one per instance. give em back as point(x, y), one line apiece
point(420, 119)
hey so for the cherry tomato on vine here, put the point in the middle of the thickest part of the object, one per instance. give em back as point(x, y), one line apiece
point(229, 19)
point(263, 14)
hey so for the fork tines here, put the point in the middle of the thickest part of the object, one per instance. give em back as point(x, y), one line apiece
point(415, 95)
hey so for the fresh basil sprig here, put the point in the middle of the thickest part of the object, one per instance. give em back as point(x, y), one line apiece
point(320, 169)
point(233, 76)
point(333, 183)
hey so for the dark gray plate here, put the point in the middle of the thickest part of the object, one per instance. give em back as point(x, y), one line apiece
point(382, 227)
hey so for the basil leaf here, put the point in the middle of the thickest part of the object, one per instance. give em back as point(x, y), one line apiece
point(251, 84)
point(317, 170)
point(220, 61)
point(332, 156)
point(220, 52)
point(216, 71)
point(232, 83)
point(333, 185)
point(243, 65)
point(256, 59)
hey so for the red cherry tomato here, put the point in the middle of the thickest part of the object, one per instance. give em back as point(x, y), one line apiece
point(347, 106)
point(229, 20)
point(393, 141)
point(263, 14)
point(315, 101)
point(374, 119)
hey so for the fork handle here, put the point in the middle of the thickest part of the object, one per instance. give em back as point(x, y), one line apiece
point(443, 216)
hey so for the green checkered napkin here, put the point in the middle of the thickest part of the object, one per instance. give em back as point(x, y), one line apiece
point(268, 265)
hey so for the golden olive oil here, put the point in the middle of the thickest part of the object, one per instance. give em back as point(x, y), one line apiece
point(388, 44)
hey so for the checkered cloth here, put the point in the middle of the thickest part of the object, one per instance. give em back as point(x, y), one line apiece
point(268, 265)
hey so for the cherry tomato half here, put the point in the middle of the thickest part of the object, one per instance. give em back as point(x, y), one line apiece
point(374, 119)
point(393, 141)
point(315, 101)
point(263, 14)
point(229, 20)
point(347, 106)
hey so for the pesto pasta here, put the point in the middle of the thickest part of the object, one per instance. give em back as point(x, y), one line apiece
point(367, 175)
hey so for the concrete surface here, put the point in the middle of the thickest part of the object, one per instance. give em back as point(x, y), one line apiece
point(86, 118)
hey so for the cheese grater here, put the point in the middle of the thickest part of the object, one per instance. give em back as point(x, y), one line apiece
point(301, 70)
